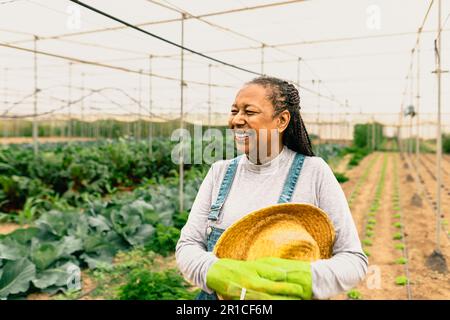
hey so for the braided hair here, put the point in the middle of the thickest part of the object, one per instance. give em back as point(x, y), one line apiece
point(284, 96)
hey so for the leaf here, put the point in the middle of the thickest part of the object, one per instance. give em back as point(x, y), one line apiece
point(16, 277)
point(94, 261)
point(44, 254)
point(100, 223)
point(10, 249)
point(9, 253)
point(60, 276)
point(143, 234)
point(56, 222)
point(71, 244)
point(24, 235)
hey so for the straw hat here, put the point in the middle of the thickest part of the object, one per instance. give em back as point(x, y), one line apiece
point(297, 231)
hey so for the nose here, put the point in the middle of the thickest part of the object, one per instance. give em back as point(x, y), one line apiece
point(237, 120)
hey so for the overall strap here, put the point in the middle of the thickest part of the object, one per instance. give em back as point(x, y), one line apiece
point(224, 189)
point(292, 177)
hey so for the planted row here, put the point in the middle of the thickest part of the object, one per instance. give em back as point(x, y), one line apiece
point(370, 222)
point(399, 236)
point(75, 170)
point(49, 254)
point(361, 181)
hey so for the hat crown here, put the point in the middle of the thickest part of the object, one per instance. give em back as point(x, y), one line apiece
point(284, 239)
point(291, 231)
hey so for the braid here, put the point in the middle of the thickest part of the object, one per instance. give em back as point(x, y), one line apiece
point(284, 96)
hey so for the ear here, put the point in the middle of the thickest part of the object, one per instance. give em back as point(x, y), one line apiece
point(283, 120)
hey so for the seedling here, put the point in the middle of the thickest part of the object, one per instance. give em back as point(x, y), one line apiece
point(401, 281)
point(354, 294)
point(369, 233)
point(367, 242)
point(397, 216)
point(399, 246)
point(398, 225)
point(401, 260)
point(398, 236)
point(371, 221)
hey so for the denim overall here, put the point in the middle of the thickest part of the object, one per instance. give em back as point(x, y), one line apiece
point(213, 233)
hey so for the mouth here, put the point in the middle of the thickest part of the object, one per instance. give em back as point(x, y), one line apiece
point(241, 135)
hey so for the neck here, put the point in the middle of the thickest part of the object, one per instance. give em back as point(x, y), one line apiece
point(262, 158)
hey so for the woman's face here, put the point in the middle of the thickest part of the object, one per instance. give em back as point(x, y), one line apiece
point(253, 123)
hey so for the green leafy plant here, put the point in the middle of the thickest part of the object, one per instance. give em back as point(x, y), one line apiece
point(143, 284)
point(165, 240)
point(398, 236)
point(367, 242)
point(401, 260)
point(401, 280)
point(340, 177)
point(398, 225)
point(354, 294)
point(399, 246)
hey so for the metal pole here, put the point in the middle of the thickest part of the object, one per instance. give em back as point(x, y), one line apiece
point(181, 196)
point(262, 58)
point(318, 116)
point(439, 140)
point(83, 123)
point(400, 144)
point(417, 106)
point(35, 108)
point(347, 120)
point(139, 129)
point(373, 132)
point(410, 135)
point(150, 123)
point(298, 72)
point(70, 102)
point(411, 89)
point(209, 96)
point(5, 97)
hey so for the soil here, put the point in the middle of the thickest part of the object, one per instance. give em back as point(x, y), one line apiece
point(419, 227)
point(19, 140)
point(6, 228)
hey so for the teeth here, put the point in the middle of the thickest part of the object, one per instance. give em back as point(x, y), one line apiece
point(241, 135)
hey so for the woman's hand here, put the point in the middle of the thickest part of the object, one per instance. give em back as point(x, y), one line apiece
point(264, 279)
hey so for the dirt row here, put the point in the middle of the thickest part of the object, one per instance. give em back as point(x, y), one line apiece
point(427, 173)
point(419, 228)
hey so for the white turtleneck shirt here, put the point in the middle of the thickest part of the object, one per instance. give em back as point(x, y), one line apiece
point(258, 186)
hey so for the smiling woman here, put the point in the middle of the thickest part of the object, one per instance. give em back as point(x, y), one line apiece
point(262, 110)
point(277, 167)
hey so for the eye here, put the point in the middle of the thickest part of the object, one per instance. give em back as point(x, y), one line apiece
point(234, 111)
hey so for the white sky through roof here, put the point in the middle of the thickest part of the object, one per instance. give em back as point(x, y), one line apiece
point(355, 61)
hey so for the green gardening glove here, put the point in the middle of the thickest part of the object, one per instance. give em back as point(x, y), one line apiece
point(263, 279)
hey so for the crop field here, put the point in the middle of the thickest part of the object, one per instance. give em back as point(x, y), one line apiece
point(112, 114)
point(85, 214)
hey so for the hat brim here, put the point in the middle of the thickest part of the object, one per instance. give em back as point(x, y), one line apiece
point(236, 240)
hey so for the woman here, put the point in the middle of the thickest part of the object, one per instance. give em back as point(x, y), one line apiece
point(234, 188)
